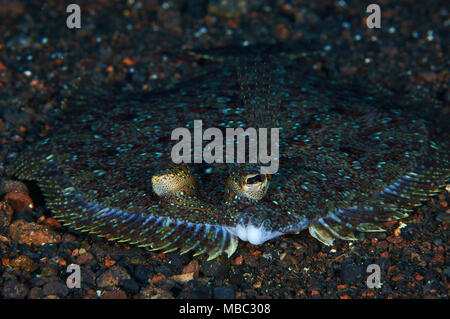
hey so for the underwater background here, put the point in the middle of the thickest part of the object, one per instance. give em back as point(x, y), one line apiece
point(140, 46)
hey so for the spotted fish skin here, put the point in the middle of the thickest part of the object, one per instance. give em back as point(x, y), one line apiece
point(346, 163)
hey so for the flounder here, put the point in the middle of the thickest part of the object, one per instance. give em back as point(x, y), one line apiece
point(346, 164)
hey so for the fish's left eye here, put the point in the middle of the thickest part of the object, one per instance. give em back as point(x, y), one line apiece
point(255, 179)
point(246, 183)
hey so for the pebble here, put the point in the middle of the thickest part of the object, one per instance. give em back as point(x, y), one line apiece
point(24, 264)
point(142, 273)
point(33, 234)
point(165, 270)
point(114, 294)
point(85, 258)
point(87, 277)
point(217, 268)
point(183, 278)
point(193, 266)
point(55, 288)
point(13, 289)
point(35, 293)
point(447, 272)
point(130, 286)
point(352, 274)
point(112, 277)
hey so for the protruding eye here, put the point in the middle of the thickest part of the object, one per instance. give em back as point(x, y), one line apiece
point(173, 180)
point(253, 179)
point(245, 182)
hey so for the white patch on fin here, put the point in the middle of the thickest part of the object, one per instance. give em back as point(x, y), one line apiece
point(253, 234)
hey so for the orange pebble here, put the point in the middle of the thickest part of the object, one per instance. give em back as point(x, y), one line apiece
point(315, 292)
point(5, 262)
point(384, 254)
point(19, 201)
point(109, 262)
point(128, 62)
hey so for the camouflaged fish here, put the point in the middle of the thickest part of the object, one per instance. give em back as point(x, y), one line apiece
point(347, 164)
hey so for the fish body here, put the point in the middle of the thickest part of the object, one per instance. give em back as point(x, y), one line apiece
point(346, 163)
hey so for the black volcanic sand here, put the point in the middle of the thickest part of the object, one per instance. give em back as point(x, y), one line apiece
point(136, 44)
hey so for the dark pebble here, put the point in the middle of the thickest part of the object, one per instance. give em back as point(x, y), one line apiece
point(447, 272)
point(48, 250)
point(236, 279)
point(35, 293)
point(27, 216)
point(178, 261)
point(142, 274)
point(201, 292)
point(165, 270)
point(114, 294)
point(217, 268)
point(224, 293)
point(12, 289)
point(37, 281)
point(57, 288)
point(130, 286)
point(352, 274)
point(87, 277)
point(71, 245)
point(112, 277)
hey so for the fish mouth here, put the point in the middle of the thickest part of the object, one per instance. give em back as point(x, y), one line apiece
point(254, 234)
point(254, 226)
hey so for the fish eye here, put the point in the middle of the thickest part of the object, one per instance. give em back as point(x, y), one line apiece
point(253, 179)
point(247, 183)
point(173, 180)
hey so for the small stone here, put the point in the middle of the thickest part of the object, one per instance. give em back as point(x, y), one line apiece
point(32, 234)
point(217, 268)
point(158, 278)
point(114, 294)
point(352, 274)
point(67, 238)
point(55, 288)
point(19, 201)
point(36, 293)
point(238, 260)
point(153, 292)
point(49, 271)
point(191, 267)
point(130, 286)
point(84, 258)
point(447, 272)
point(142, 274)
point(183, 278)
point(13, 289)
point(165, 270)
point(24, 264)
point(112, 277)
